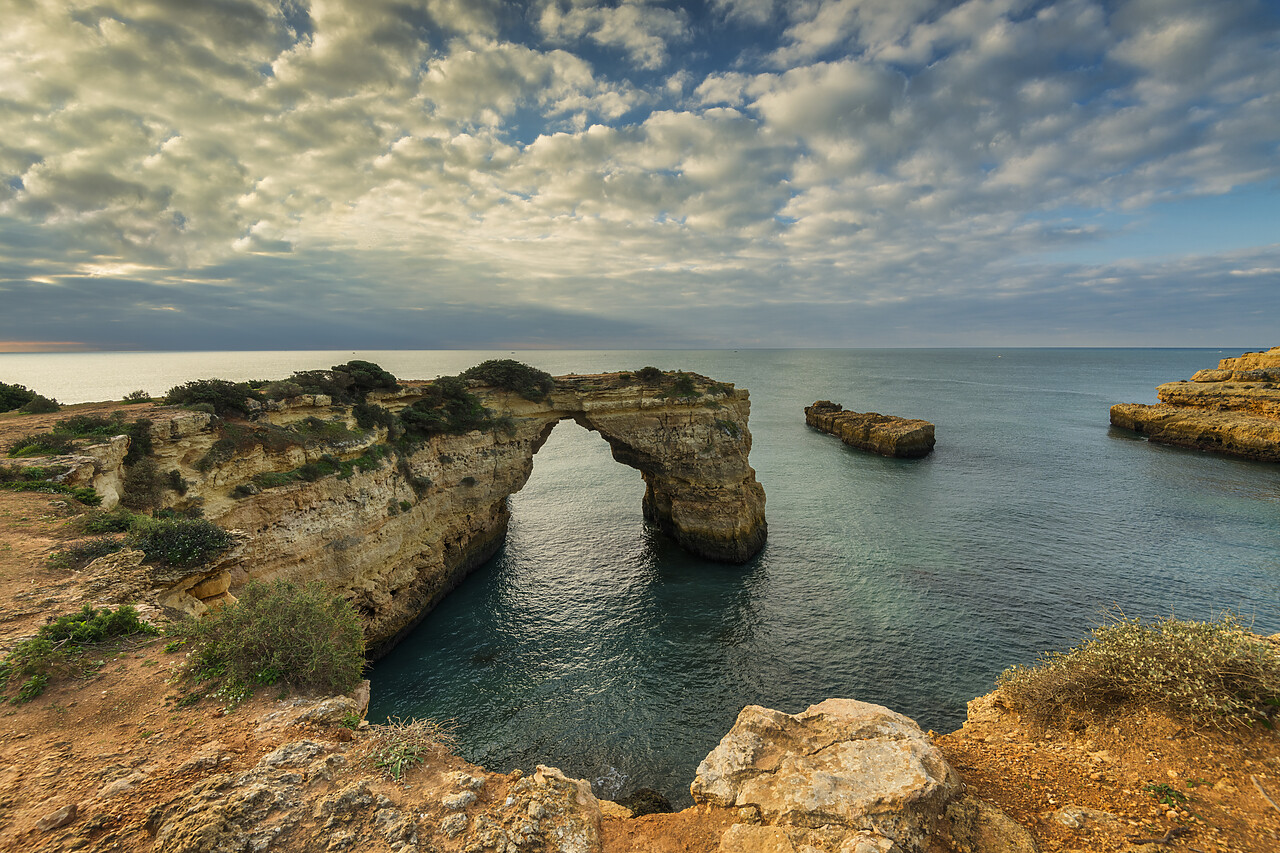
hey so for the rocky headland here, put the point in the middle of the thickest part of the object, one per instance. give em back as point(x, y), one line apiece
point(311, 495)
point(888, 435)
point(1234, 410)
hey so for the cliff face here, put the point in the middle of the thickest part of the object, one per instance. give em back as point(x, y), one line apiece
point(396, 529)
point(887, 435)
point(1234, 409)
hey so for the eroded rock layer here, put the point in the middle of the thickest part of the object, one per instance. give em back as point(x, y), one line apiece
point(396, 528)
point(887, 435)
point(1234, 409)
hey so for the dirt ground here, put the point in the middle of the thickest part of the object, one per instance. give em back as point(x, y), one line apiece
point(113, 734)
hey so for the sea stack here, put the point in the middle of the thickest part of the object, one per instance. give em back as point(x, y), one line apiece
point(1233, 410)
point(888, 435)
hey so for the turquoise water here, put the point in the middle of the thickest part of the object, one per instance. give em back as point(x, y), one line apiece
point(593, 644)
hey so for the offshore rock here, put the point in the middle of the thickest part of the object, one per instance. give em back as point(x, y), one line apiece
point(1233, 410)
point(887, 435)
point(399, 527)
point(841, 775)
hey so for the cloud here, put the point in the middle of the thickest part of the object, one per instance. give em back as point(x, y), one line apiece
point(643, 29)
point(601, 164)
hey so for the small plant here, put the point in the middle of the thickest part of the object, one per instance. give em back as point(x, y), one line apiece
point(1207, 672)
point(729, 428)
point(1167, 794)
point(40, 405)
point(178, 541)
point(174, 645)
point(143, 486)
point(117, 520)
point(42, 444)
point(398, 745)
point(32, 661)
point(649, 375)
point(139, 396)
point(683, 387)
point(77, 556)
point(278, 632)
point(350, 721)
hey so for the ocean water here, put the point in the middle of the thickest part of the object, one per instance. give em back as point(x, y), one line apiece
point(592, 643)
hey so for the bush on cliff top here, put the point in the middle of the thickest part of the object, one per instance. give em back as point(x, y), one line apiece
point(1206, 672)
point(278, 632)
point(227, 398)
point(14, 396)
point(510, 375)
point(178, 541)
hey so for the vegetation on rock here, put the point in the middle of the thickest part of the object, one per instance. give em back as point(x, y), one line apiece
point(510, 375)
point(17, 478)
point(278, 632)
point(31, 662)
point(14, 396)
point(40, 405)
point(343, 383)
point(397, 745)
point(227, 398)
point(177, 541)
point(1205, 672)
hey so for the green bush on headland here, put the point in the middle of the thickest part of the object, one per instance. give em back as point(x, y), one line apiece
point(278, 632)
point(32, 661)
point(1205, 672)
point(510, 375)
point(14, 396)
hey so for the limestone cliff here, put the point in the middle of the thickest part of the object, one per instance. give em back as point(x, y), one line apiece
point(887, 435)
point(1234, 409)
point(314, 497)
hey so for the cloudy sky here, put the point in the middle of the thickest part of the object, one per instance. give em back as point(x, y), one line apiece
point(250, 174)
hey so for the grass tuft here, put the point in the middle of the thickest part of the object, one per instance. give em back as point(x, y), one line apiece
point(398, 745)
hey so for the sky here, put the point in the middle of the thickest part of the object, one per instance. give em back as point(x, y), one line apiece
point(423, 174)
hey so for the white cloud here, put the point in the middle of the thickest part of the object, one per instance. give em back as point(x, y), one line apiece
point(644, 30)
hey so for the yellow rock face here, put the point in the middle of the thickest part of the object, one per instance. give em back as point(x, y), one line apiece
point(1233, 410)
point(397, 534)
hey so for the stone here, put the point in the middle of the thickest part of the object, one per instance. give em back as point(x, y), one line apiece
point(976, 826)
point(453, 825)
point(459, 801)
point(57, 819)
point(839, 763)
point(887, 435)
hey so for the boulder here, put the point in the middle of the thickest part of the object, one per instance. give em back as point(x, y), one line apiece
point(840, 764)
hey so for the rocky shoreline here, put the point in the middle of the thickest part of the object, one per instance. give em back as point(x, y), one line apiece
point(1233, 410)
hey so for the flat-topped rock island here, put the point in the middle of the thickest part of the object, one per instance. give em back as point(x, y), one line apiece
point(888, 435)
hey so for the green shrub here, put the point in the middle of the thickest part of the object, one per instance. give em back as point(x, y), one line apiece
point(174, 480)
point(683, 387)
point(282, 390)
point(446, 407)
point(139, 396)
point(365, 376)
point(1205, 672)
point(92, 426)
point(24, 473)
point(117, 520)
point(40, 405)
point(143, 488)
point(140, 445)
point(178, 541)
point(345, 383)
point(279, 632)
point(31, 661)
point(83, 494)
point(370, 415)
point(77, 556)
point(42, 444)
point(227, 398)
point(14, 396)
point(649, 375)
point(511, 375)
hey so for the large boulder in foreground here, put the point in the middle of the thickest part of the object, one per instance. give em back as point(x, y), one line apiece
point(845, 775)
point(888, 435)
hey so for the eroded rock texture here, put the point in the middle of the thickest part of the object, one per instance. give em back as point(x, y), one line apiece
point(397, 528)
point(1234, 409)
point(888, 435)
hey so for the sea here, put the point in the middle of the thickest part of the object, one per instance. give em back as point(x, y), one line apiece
point(592, 643)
